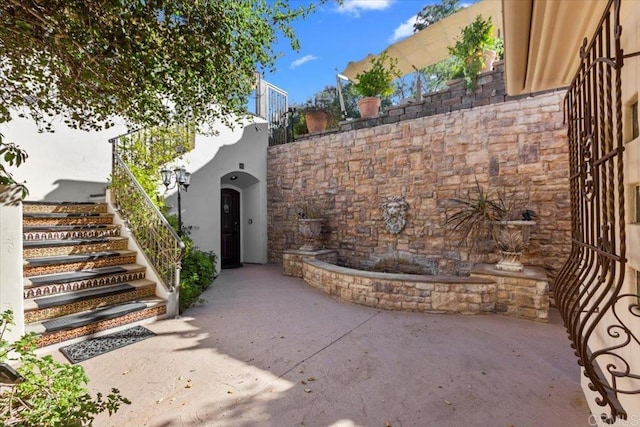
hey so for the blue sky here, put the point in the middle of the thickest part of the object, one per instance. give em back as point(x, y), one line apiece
point(333, 36)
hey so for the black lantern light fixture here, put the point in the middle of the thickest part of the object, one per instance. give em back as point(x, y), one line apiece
point(182, 181)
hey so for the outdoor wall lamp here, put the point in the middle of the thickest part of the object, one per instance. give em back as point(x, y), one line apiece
point(182, 181)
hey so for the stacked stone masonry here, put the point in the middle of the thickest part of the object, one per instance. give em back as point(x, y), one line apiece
point(515, 145)
point(522, 295)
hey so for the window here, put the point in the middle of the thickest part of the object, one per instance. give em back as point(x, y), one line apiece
point(635, 131)
point(636, 201)
point(638, 285)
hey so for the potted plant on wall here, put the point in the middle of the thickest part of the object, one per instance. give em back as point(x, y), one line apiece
point(316, 114)
point(375, 83)
point(493, 218)
point(310, 222)
point(475, 47)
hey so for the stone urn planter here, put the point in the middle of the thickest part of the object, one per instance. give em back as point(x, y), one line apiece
point(511, 239)
point(488, 58)
point(369, 107)
point(311, 231)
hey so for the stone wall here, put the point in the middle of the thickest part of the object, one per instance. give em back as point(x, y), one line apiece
point(520, 144)
point(490, 90)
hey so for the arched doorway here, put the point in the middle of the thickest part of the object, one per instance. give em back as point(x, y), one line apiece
point(230, 228)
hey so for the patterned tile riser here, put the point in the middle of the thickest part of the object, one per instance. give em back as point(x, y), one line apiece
point(64, 268)
point(60, 336)
point(98, 208)
point(73, 234)
point(76, 249)
point(50, 313)
point(57, 288)
point(87, 220)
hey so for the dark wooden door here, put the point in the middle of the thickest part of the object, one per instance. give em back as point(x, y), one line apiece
point(230, 220)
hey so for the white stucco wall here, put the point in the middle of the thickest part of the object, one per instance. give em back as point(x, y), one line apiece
point(211, 163)
point(66, 165)
point(73, 165)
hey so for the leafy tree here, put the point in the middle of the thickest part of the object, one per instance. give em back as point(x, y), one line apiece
point(432, 13)
point(153, 62)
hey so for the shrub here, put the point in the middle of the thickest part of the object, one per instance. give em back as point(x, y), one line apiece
point(198, 268)
point(52, 393)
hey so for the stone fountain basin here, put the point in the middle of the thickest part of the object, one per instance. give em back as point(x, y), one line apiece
point(406, 292)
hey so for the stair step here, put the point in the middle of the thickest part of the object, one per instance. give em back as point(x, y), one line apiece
point(71, 207)
point(40, 309)
point(44, 248)
point(49, 219)
point(90, 322)
point(68, 263)
point(52, 284)
point(59, 232)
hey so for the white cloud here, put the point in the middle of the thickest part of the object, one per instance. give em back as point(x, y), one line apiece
point(298, 62)
point(354, 7)
point(403, 30)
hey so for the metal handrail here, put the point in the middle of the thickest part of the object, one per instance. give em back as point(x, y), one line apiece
point(158, 240)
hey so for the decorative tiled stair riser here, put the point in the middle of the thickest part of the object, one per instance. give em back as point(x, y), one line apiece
point(40, 207)
point(79, 285)
point(61, 336)
point(78, 220)
point(63, 232)
point(63, 310)
point(79, 276)
point(81, 248)
point(29, 271)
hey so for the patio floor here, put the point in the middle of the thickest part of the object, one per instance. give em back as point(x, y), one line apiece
point(267, 350)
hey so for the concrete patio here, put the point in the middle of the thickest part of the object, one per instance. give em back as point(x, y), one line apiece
point(267, 350)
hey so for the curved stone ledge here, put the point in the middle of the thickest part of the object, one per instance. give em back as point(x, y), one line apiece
point(430, 294)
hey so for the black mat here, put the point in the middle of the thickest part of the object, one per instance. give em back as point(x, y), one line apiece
point(82, 319)
point(65, 259)
point(97, 346)
point(79, 296)
point(59, 214)
point(75, 276)
point(64, 242)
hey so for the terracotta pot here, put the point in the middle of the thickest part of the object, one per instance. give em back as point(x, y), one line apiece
point(311, 232)
point(316, 120)
point(369, 107)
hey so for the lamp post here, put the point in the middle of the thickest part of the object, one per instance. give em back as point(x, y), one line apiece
point(182, 180)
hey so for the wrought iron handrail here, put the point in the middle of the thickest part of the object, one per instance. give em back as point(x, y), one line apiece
point(588, 288)
point(156, 237)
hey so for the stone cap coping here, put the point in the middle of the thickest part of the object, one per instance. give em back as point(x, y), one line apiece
point(309, 253)
point(394, 276)
point(529, 272)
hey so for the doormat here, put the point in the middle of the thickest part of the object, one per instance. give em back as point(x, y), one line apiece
point(96, 346)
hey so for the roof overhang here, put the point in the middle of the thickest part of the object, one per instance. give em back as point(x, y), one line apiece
point(542, 40)
point(429, 46)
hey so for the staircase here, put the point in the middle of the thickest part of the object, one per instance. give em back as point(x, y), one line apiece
point(80, 278)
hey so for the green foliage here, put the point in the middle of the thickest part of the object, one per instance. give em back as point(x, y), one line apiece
point(148, 62)
point(151, 63)
point(432, 13)
point(473, 40)
point(198, 268)
point(146, 151)
point(11, 155)
point(52, 394)
point(473, 215)
point(378, 79)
